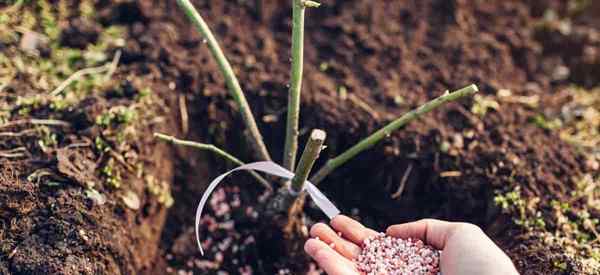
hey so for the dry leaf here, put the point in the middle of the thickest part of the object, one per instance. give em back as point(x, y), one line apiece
point(131, 200)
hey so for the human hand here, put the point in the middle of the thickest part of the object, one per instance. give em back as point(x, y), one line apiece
point(465, 247)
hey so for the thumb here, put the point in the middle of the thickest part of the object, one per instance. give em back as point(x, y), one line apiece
point(430, 231)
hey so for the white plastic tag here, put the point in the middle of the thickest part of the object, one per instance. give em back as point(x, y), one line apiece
point(271, 168)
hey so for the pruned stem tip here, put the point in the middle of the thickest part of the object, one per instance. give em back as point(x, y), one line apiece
point(309, 156)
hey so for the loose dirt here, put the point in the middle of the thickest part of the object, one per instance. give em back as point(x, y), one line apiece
point(366, 63)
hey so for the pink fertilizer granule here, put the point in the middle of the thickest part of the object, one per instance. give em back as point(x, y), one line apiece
point(386, 255)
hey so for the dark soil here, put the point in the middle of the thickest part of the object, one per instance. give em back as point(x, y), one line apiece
point(50, 226)
point(366, 63)
point(50, 223)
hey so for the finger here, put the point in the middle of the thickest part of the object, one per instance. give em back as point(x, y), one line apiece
point(432, 232)
point(329, 260)
point(341, 245)
point(351, 229)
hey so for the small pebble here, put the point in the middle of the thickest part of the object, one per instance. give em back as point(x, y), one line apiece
point(382, 254)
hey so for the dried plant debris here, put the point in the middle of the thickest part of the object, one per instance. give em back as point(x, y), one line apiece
point(76, 165)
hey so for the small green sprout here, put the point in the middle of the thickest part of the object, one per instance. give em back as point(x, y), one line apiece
point(116, 116)
point(61, 103)
point(324, 66)
point(47, 139)
point(49, 21)
point(101, 145)
point(562, 206)
point(542, 122)
point(560, 265)
point(445, 146)
point(483, 104)
point(160, 189)
point(26, 105)
point(144, 92)
point(512, 203)
point(112, 174)
point(510, 199)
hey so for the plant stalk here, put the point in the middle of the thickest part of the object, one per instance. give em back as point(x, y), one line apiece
point(256, 139)
point(293, 113)
point(388, 129)
point(214, 149)
point(309, 156)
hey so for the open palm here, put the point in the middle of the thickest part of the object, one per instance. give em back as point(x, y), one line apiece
point(466, 248)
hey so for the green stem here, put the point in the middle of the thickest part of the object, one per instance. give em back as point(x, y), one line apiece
point(388, 129)
point(310, 154)
point(256, 139)
point(293, 113)
point(214, 149)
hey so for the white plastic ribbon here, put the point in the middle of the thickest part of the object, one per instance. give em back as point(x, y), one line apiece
point(271, 168)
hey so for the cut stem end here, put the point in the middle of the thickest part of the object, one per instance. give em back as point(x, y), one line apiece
point(309, 156)
point(310, 4)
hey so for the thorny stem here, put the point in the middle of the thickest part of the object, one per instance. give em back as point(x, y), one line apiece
point(388, 129)
point(256, 139)
point(293, 113)
point(310, 154)
point(214, 149)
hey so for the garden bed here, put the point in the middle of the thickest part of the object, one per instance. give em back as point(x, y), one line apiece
point(497, 160)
